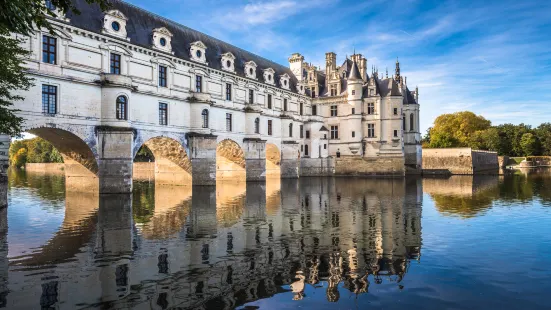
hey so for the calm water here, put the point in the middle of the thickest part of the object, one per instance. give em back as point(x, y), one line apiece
point(315, 243)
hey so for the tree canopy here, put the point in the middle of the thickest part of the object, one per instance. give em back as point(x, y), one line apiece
point(19, 19)
point(36, 150)
point(466, 129)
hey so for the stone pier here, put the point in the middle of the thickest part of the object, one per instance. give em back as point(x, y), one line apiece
point(115, 160)
point(255, 159)
point(290, 160)
point(202, 151)
point(4, 164)
point(203, 212)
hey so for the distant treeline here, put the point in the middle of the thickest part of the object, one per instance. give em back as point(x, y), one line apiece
point(466, 129)
point(36, 150)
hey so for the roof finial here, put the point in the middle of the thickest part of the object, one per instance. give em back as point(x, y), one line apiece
point(387, 72)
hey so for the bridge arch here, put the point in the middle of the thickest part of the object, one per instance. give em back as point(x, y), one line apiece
point(77, 146)
point(171, 162)
point(230, 161)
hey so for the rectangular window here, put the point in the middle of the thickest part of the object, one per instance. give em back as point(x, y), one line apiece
point(162, 76)
point(269, 127)
point(49, 99)
point(269, 101)
point(229, 122)
point(334, 132)
point(395, 111)
point(313, 92)
point(325, 146)
point(353, 134)
point(333, 90)
point(371, 130)
point(49, 50)
point(333, 110)
point(301, 131)
point(284, 104)
point(301, 108)
point(115, 63)
point(163, 114)
point(307, 134)
point(370, 108)
point(314, 109)
point(199, 84)
point(353, 92)
point(395, 133)
point(251, 96)
point(228, 91)
point(353, 111)
point(302, 148)
point(306, 150)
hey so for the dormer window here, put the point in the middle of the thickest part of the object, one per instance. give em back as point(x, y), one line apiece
point(268, 76)
point(228, 62)
point(114, 23)
point(162, 39)
point(198, 52)
point(284, 81)
point(250, 69)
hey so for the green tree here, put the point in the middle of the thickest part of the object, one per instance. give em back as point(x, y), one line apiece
point(22, 17)
point(528, 143)
point(456, 130)
point(543, 133)
point(20, 158)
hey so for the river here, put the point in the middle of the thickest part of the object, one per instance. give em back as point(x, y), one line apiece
point(315, 243)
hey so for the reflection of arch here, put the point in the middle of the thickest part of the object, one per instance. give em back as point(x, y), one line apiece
point(230, 202)
point(230, 161)
point(273, 161)
point(172, 165)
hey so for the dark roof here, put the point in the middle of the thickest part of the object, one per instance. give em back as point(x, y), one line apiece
point(410, 99)
point(388, 87)
point(140, 27)
point(346, 65)
point(323, 128)
point(354, 72)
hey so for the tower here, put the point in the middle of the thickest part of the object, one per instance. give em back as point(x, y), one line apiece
point(296, 62)
point(354, 86)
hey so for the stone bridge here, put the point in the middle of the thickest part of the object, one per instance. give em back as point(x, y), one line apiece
point(100, 158)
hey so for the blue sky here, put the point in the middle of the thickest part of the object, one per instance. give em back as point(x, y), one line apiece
point(489, 57)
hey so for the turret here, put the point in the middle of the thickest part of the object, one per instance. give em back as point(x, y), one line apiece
point(295, 64)
point(354, 85)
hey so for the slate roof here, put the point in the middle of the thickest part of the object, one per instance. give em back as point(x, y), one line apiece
point(388, 87)
point(410, 99)
point(354, 73)
point(140, 27)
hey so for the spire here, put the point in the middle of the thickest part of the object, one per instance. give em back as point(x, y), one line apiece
point(387, 72)
point(397, 74)
point(354, 72)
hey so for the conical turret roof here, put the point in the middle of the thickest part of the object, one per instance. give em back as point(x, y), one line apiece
point(354, 73)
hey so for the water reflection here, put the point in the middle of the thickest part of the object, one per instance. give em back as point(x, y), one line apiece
point(223, 247)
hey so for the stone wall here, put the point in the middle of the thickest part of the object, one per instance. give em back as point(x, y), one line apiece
point(50, 168)
point(386, 166)
point(459, 161)
point(317, 166)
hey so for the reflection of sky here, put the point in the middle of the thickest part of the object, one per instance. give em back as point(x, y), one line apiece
point(32, 221)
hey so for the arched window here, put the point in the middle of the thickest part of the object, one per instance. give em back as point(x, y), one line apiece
point(404, 123)
point(122, 108)
point(411, 126)
point(291, 130)
point(257, 125)
point(205, 117)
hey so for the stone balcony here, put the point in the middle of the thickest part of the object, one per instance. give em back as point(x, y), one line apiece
point(199, 97)
point(312, 118)
point(116, 80)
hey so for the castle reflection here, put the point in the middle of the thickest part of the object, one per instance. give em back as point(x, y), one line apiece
point(220, 247)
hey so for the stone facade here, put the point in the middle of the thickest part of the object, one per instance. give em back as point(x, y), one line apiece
point(459, 161)
point(101, 93)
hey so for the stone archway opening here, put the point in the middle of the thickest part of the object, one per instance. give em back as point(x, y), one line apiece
point(273, 161)
point(168, 160)
point(230, 162)
point(79, 163)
